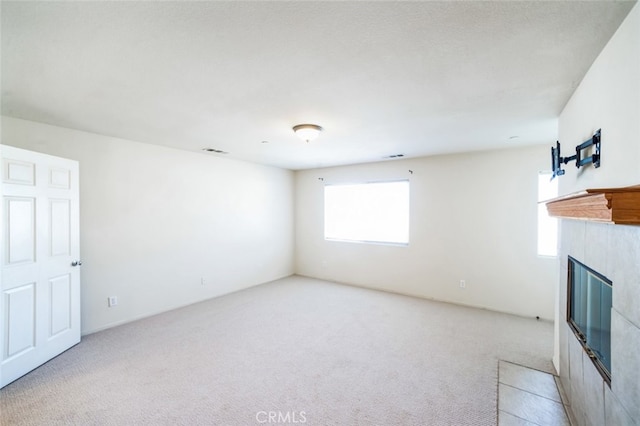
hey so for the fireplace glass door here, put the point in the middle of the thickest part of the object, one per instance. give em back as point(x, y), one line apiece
point(589, 313)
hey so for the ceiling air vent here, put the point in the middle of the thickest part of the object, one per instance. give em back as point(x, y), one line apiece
point(215, 151)
point(394, 156)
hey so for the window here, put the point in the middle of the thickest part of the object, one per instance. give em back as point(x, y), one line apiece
point(369, 212)
point(547, 226)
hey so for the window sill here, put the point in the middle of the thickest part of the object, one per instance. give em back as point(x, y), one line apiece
point(377, 243)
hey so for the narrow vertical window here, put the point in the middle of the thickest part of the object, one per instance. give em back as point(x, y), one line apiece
point(369, 212)
point(547, 226)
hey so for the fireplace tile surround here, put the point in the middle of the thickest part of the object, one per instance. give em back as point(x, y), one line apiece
point(614, 251)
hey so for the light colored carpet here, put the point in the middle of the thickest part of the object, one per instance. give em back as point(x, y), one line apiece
point(305, 350)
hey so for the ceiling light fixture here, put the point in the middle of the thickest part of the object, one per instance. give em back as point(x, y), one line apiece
point(307, 132)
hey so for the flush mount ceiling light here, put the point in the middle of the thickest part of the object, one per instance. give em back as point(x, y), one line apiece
point(307, 132)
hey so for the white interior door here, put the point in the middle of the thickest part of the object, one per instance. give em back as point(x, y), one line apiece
point(40, 280)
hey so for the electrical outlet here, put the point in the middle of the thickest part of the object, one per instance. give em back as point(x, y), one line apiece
point(202, 281)
point(463, 284)
point(112, 301)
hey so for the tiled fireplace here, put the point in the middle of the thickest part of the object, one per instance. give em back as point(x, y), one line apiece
point(613, 251)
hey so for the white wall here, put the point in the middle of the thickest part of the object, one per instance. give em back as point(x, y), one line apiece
point(155, 220)
point(608, 97)
point(473, 217)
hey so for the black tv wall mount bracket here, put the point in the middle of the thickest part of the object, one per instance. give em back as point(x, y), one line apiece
point(557, 160)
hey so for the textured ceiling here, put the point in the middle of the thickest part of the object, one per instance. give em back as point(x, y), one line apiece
point(382, 78)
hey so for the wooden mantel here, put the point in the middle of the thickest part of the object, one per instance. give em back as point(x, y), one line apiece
point(609, 205)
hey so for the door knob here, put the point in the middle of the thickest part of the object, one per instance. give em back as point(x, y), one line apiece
point(76, 263)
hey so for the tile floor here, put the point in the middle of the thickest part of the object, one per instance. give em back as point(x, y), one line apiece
point(528, 397)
